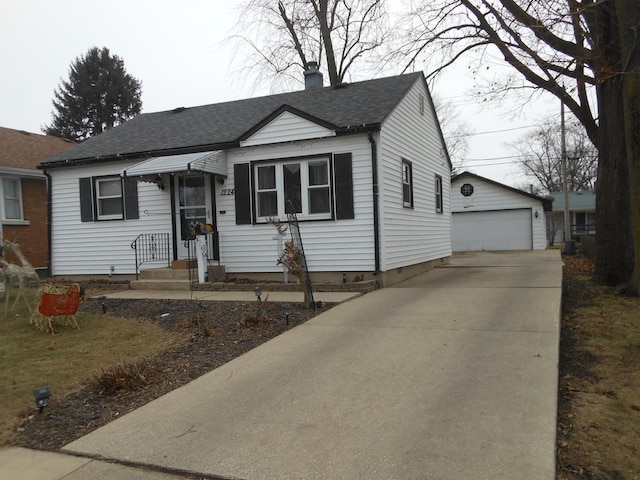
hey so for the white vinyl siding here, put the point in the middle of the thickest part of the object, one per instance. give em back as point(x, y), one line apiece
point(417, 235)
point(89, 248)
point(489, 197)
point(330, 245)
point(287, 127)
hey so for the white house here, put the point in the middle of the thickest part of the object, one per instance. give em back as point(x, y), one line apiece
point(363, 165)
point(488, 215)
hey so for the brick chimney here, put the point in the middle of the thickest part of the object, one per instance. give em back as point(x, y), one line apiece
point(312, 76)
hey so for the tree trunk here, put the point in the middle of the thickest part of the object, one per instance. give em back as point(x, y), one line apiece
point(629, 19)
point(322, 12)
point(614, 242)
point(614, 246)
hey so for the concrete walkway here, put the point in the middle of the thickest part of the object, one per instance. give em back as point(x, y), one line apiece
point(450, 375)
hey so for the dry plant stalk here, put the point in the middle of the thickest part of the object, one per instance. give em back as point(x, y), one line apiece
point(292, 258)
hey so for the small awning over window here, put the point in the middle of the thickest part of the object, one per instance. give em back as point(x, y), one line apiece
point(204, 162)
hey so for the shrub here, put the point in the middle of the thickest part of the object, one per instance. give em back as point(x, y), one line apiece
point(123, 377)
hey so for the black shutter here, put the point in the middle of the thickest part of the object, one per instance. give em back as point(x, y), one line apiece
point(86, 199)
point(242, 194)
point(344, 186)
point(131, 199)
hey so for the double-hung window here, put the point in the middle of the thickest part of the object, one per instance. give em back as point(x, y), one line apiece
point(407, 183)
point(109, 198)
point(438, 194)
point(12, 199)
point(299, 186)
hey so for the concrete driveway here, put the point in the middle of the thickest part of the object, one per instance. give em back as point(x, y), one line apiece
point(450, 375)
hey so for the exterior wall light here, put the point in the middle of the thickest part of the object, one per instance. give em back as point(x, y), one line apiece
point(286, 309)
point(536, 214)
point(42, 397)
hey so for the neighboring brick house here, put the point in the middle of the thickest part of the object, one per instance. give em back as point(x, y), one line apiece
point(23, 191)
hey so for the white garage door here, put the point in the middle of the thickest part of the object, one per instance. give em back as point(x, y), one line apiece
point(496, 230)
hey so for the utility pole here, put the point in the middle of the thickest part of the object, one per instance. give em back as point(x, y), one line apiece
point(569, 244)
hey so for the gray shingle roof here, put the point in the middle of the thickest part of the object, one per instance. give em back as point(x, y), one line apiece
point(584, 200)
point(348, 107)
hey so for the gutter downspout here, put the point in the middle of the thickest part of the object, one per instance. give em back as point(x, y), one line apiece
point(376, 213)
point(49, 229)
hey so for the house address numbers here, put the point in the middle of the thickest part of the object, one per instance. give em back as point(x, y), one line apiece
point(227, 192)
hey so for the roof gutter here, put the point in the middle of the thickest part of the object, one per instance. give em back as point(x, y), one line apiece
point(49, 229)
point(135, 155)
point(376, 212)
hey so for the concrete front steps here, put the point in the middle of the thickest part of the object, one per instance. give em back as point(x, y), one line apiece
point(178, 279)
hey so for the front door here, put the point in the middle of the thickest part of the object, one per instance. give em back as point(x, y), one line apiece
point(193, 204)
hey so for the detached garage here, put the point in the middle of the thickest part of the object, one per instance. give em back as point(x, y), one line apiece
point(488, 215)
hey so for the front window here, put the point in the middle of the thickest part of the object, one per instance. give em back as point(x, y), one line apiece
point(12, 196)
point(267, 192)
point(109, 198)
point(300, 187)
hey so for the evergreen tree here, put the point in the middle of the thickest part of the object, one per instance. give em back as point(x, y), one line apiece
point(99, 95)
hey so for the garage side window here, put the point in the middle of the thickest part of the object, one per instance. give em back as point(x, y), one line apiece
point(438, 194)
point(407, 183)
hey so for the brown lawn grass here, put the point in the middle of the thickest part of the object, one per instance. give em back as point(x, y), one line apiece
point(31, 358)
point(599, 422)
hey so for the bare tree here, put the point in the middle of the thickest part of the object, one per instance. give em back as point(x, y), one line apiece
point(555, 224)
point(569, 48)
point(539, 154)
point(283, 37)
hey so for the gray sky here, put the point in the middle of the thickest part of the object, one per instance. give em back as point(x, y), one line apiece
point(175, 49)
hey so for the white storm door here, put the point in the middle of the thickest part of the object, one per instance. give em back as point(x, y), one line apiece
point(193, 204)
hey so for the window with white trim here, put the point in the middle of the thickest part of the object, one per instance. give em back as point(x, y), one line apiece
point(407, 183)
point(12, 199)
point(438, 194)
point(300, 186)
point(109, 198)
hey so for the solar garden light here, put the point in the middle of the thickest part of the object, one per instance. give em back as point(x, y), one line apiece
point(258, 292)
point(102, 298)
point(286, 309)
point(42, 397)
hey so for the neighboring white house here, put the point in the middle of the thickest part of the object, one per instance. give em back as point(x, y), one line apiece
point(582, 215)
point(363, 165)
point(488, 215)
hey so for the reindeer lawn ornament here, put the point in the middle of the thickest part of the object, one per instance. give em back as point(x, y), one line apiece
point(22, 276)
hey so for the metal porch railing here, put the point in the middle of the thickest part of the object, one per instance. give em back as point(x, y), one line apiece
point(151, 247)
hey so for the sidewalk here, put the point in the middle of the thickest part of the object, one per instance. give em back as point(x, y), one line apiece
point(450, 375)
